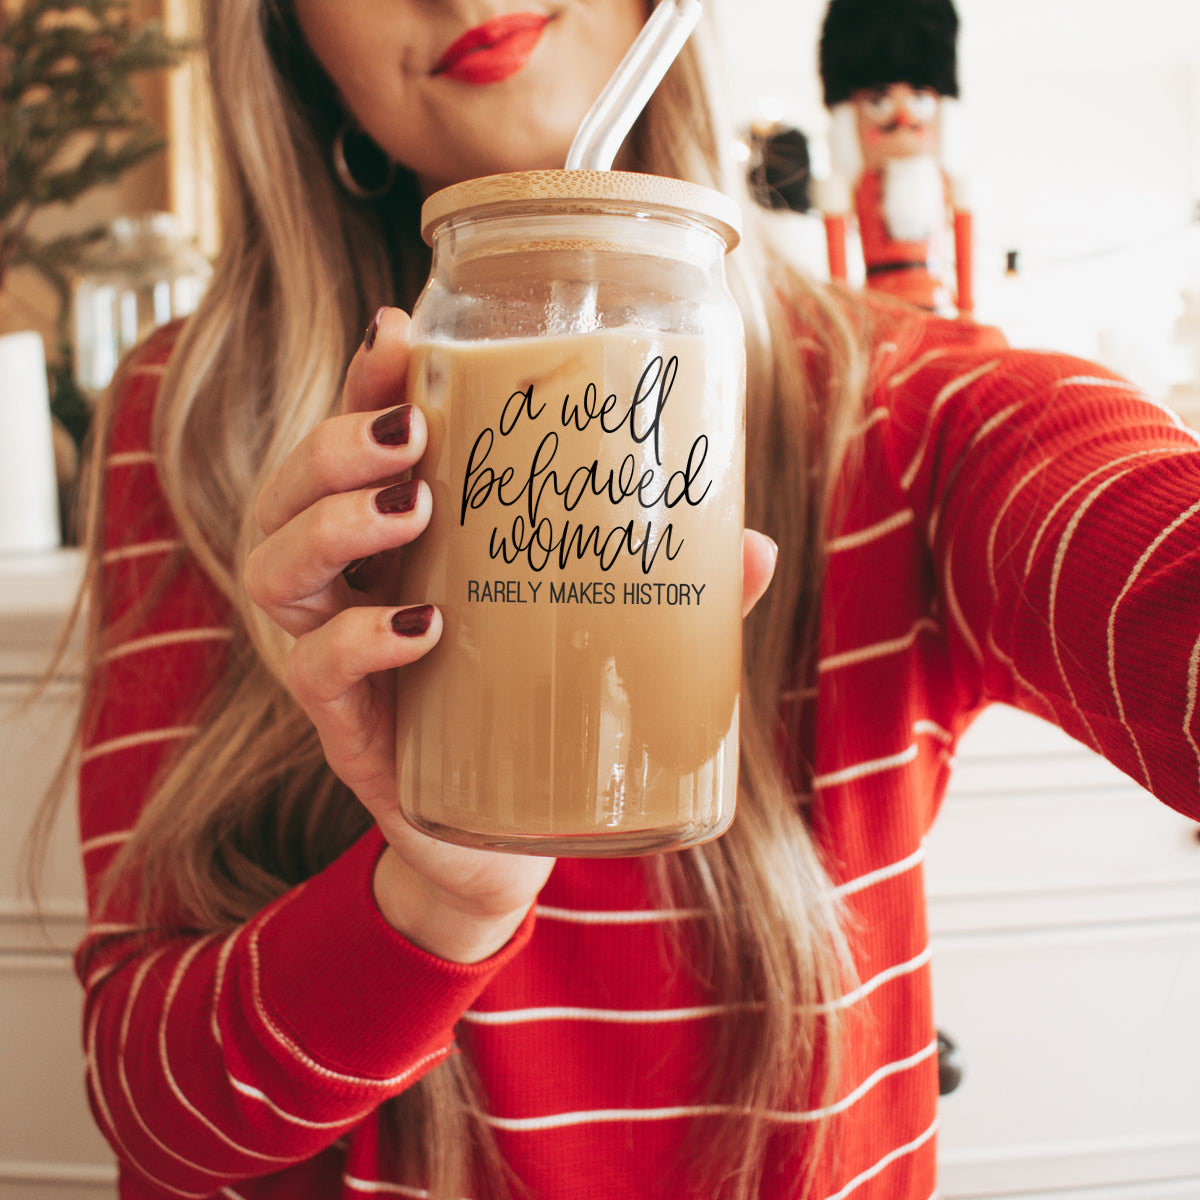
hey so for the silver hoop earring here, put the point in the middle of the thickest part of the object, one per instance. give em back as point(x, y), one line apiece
point(380, 168)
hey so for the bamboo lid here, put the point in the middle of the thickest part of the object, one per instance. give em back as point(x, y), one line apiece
point(581, 191)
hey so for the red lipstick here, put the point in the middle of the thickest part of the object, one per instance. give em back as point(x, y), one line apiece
point(493, 51)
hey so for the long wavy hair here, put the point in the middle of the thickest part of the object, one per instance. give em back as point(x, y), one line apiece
point(302, 267)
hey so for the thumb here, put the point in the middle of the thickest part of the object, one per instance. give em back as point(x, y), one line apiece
point(378, 373)
point(759, 553)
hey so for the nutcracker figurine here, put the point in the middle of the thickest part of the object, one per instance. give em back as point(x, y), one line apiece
point(890, 77)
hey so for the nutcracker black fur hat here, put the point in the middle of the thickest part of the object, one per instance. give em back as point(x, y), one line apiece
point(873, 43)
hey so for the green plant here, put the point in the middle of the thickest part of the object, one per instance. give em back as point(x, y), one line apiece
point(70, 120)
point(69, 116)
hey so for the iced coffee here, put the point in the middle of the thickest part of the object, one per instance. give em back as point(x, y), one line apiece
point(585, 551)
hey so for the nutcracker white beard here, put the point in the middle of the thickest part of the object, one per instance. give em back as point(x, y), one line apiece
point(913, 197)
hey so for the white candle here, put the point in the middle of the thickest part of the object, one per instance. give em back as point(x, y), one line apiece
point(29, 519)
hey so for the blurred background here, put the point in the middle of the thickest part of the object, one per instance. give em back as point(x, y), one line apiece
point(1083, 154)
point(1082, 131)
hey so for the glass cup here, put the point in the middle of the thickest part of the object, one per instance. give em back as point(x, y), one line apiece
point(581, 365)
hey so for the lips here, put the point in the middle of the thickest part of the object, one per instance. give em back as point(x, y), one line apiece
point(493, 51)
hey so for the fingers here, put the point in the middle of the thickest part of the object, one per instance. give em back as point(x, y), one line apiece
point(295, 574)
point(330, 661)
point(341, 455)
point(376, 437)
point(333, 673)
point(377, 374)
point(342, 494)
point(759, 553)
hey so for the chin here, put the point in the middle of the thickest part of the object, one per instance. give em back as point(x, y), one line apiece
point(524, 125)
point(523, 155)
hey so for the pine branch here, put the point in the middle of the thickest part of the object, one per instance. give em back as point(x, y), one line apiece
point(56, 258)
point(69, 118)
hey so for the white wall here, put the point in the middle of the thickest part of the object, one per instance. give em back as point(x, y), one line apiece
point(1084, 119)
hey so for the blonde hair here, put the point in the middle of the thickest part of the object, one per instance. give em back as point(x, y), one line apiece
point(302, 268)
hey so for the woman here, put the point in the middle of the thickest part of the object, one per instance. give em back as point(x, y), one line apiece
point(292, 993)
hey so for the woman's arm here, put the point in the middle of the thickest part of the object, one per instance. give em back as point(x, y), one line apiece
point(1061, 508)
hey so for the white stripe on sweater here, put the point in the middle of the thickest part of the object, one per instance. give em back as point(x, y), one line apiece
point(106, 1117)
point(890, 871)
point(130, 458)
point(877, 416)
point(1078, 486)
point(956, 611)
point(181, 970)
point(177, 637)
point(253, 1093)
point(1064, 543)
point(653, 915)
point(141, 550)
point(1189, 713)
point(637, 916)
point(872, 533)
point(661, 1016)
point(877, 981)
point(847, 658)
point(902, 377)
point(1122, 385)
point(288, 1043)
point(885, 1162)
point(608, 1016)
point(1134, 575)
point(924, 725)
point(122, 1040)
point(994, 531)
point(238, 1085)
point(214, 1026)
point(131, 740)
point(872, 766)
point(980, 435)
point(377, 1187)
point(110, 929)
point(947, 393)
point(993, 646)
point(804, 1117)
point(104, 841)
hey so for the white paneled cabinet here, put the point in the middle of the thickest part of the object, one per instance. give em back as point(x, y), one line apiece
point(1064, 905)
point(1065, 911)
point(49, 1146)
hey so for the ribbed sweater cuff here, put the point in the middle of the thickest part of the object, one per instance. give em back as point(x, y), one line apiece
point(351, 992)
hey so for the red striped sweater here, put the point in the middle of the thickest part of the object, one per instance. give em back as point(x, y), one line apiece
point(1022, 528)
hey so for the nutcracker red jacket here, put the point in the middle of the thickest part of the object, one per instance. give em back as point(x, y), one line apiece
point(1024, 529)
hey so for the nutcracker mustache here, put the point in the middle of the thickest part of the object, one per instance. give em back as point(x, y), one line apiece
point(903, 121)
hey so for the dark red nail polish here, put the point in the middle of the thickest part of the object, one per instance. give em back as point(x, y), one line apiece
point(398, 499)
point(392, 428)
point(373, 329)
point(413, 622)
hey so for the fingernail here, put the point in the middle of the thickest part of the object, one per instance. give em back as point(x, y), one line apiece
point(392, 427)
point(399, 498)
point(373, 329)
point(413, 622)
